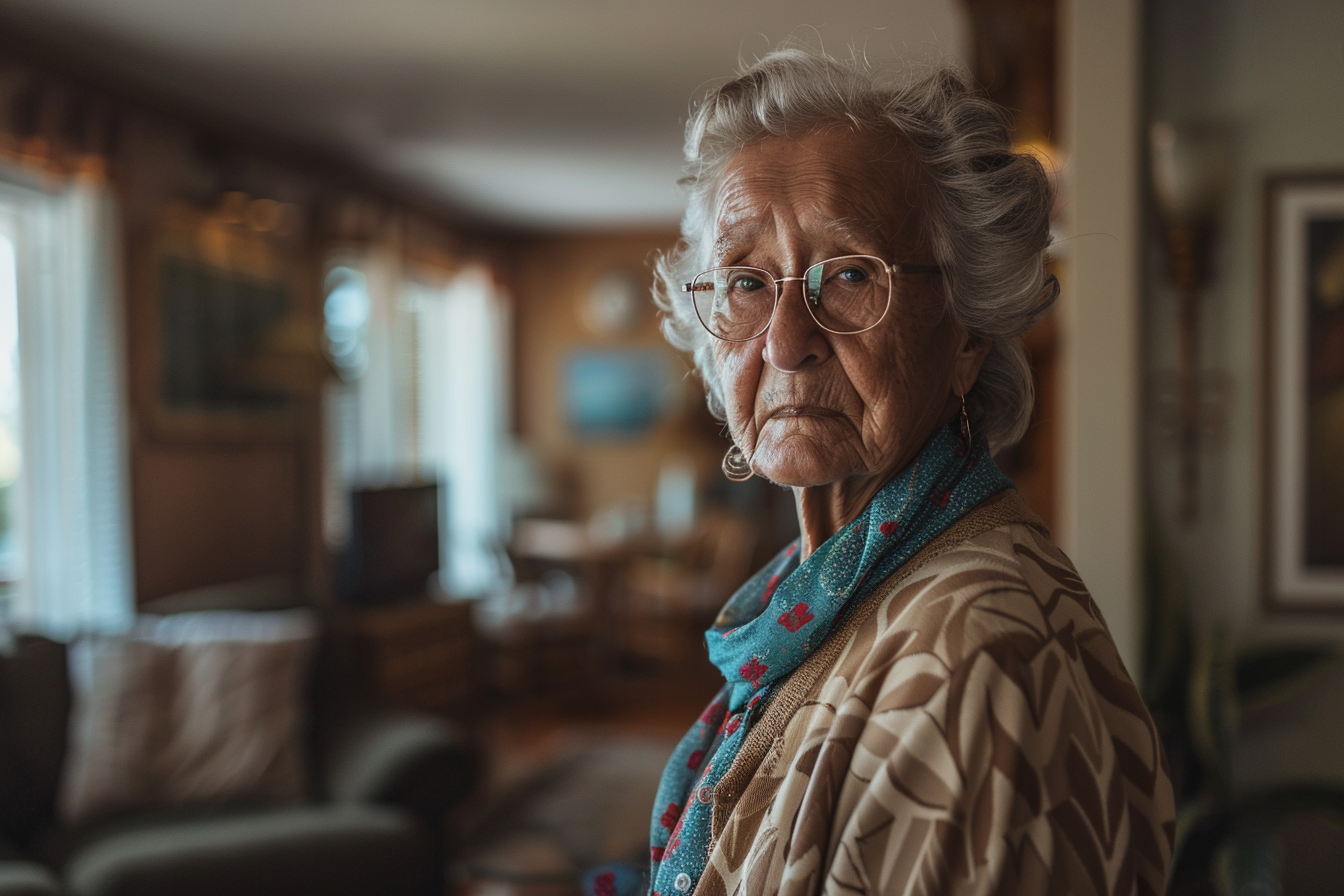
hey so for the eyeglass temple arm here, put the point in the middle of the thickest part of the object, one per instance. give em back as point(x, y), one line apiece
point(917, 268)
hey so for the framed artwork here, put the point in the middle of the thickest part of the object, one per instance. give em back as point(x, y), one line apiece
point(1304, 392)
point(218, 305)
point(617, 393)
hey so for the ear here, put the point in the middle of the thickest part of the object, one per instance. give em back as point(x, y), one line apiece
point(966, 364)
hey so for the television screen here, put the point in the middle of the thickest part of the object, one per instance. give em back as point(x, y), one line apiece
point(394, 543)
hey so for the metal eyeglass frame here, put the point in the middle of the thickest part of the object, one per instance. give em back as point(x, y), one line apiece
point(891, 269)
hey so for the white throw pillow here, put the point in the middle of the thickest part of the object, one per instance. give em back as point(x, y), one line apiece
point(188, 709)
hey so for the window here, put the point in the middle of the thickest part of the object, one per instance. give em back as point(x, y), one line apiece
point(460, 414)
point(421, 397)
point(11, 457)
point(64, 525)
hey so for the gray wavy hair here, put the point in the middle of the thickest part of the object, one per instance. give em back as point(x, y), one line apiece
point(988, 209)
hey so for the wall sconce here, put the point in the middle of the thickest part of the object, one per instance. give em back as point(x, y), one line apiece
point(1191, 166)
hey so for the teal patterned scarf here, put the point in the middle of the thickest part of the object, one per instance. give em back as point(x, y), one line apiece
point(783, 613)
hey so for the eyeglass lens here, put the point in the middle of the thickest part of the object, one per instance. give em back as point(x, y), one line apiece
point(844, 295)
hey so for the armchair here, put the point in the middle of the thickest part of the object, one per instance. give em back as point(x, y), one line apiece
point(382, 782)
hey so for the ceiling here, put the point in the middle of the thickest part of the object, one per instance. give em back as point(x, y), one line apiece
point(532, 113)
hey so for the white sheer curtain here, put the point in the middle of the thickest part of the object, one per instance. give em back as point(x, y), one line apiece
point(370, 411)
point(463, 358)
point(425, 399)
point(385, 440)
point(73, 506)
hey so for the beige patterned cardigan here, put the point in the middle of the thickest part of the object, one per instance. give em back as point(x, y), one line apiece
point(969, 729)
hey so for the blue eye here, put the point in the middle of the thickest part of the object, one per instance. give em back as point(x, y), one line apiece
point(853, 275)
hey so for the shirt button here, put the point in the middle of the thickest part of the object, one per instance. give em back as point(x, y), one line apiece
point(682, 883)
point(705, 794)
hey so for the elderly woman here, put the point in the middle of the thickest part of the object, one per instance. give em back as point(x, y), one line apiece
point(921, 696)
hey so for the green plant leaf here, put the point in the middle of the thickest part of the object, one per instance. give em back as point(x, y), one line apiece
point(1248, 863)
point(1213, 706)
point(1275, 804)
point(1205, 829)
point(1269, 675)
point(1168, 641)
point(1191, 820)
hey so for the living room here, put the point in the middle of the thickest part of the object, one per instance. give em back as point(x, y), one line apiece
point(359, 527)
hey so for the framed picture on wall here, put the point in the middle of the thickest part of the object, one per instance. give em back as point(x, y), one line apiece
point(1304, 392)
point(222, 310)
point(617, 393)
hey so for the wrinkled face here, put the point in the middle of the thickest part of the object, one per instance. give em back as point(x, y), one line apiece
point(808, 406)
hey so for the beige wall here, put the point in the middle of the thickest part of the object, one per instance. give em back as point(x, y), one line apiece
point(1099, 437)
point(551, 279)
point(204, 510)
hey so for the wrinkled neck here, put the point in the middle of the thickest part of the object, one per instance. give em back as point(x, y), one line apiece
point(824, 510)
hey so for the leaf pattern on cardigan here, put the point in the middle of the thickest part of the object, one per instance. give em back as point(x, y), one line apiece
point(971, 730)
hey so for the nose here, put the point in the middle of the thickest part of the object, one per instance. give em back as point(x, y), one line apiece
point(793, 340)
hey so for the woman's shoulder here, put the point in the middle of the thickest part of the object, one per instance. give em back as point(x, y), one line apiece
point(995, 584)
point(992, 538)
point(996, 569)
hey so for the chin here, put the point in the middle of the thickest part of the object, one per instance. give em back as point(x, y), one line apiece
point(799, 466)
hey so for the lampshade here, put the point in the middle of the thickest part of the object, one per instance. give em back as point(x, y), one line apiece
point(1191, 168)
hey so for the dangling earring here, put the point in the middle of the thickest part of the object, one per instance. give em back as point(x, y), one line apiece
point(736, 465)
point(965, 424)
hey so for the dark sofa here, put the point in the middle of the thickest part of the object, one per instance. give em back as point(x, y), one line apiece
point(382, 783)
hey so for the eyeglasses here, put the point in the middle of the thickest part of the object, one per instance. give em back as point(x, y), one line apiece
point(845, 295)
